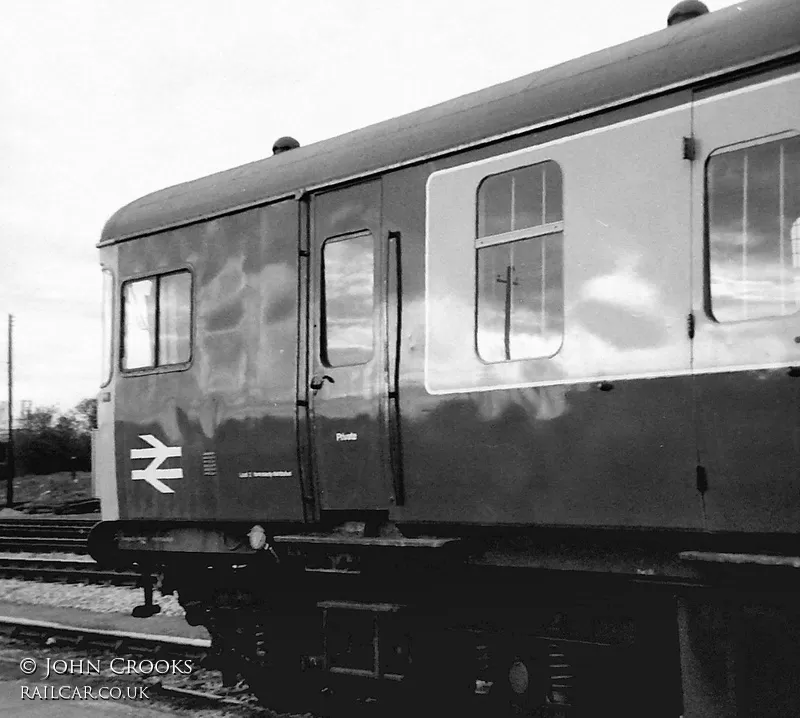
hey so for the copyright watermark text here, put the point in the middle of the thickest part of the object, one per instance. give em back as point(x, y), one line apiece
point(47, 692)
point(49, 670)
point(117, 666)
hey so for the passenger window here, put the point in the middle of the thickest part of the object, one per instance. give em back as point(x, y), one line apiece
point(348, 300)
point(519, 255)
point(156, 320)
point(753, 203)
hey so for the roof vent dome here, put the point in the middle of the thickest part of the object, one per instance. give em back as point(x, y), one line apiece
point(284, 144)
point(686, 10)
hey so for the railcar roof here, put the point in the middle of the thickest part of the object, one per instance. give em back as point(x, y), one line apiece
point(734, 37)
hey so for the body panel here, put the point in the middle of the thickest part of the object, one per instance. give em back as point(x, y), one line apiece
point(348, 357)
point(561, 455)
point(749, 420)
point(232, 411)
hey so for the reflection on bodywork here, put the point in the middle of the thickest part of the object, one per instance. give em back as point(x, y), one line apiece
point(622, 309)
point(239, 309)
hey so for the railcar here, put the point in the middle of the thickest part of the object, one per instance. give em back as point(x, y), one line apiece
point(490, 406)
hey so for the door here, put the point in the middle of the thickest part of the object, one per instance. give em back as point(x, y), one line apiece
point(348, 392)
point(746, 350)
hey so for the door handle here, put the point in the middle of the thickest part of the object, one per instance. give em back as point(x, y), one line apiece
point(317, 381)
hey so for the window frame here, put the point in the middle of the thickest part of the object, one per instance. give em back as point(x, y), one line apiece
point(708, 297)
point(538, 231)
point(157, 368)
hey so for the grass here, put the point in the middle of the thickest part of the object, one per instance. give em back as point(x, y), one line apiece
point(51, 489)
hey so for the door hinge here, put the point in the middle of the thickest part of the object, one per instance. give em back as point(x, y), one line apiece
point(689, 148)
point(690, 322)
point(702, 479)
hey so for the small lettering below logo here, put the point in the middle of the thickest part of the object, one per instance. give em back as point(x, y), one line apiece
point(158, 453)
point(350, 436)
point(264, 474)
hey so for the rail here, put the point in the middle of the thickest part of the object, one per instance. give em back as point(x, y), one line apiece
point(62, 570)
point(37, 535)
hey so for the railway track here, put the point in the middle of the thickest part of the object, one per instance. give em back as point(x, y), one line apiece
point(63, 570)
point(40, 535)
point(53, 535)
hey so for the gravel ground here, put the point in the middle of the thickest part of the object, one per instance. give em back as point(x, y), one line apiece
point(100, 599)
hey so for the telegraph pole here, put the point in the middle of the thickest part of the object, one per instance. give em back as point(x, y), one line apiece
point(10, 466)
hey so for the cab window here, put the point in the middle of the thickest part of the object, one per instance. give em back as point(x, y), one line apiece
point(156, 321)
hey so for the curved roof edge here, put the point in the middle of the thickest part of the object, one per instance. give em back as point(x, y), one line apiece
point(686, 53)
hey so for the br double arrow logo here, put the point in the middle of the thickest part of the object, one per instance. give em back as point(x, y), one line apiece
point(159, 453)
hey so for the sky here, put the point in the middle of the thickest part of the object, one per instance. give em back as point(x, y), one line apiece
point(102, 102)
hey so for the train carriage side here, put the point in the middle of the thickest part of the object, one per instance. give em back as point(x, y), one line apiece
point(521, 382)
point(540, 387)
point(625, 321)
